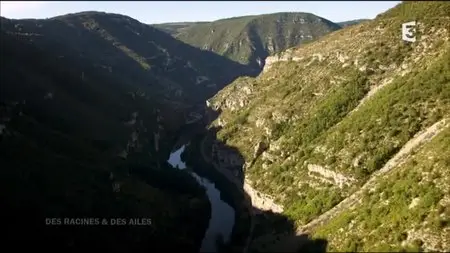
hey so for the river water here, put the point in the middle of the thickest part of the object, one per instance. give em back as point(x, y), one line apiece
point(222, 214)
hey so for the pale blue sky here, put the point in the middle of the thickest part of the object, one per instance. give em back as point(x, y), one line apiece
point(160, 12)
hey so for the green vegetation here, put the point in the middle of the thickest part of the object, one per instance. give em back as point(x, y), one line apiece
point(352, 22)
point(396, 114)
point(251, 38)
point(91, 104)
point(313, 204)
point(417, 10)
point(405, 211)
point(334, 111)
point(330, 110)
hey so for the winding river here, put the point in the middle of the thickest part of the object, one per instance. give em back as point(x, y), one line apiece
point(222, 215)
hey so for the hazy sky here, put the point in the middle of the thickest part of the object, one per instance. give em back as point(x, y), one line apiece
point(160, 12)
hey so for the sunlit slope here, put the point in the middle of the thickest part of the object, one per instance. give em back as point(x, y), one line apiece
point(323, 117)
point(407, 209)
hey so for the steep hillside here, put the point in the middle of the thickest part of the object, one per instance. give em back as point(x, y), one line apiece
point(134, 53)
point(322, 118)
point(76, 142)
point(408, 207)
point(250, 39)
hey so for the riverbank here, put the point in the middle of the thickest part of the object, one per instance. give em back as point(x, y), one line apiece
point(230, 193)
point(222, 216)
point(258, 200)
point(265, 230)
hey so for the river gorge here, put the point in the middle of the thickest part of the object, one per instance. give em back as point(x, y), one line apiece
point(236, 208)
point(222, 215)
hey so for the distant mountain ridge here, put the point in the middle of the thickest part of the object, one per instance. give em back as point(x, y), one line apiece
point(152, 55)
point(176, 27)
point(250, 39)
point(352, 22)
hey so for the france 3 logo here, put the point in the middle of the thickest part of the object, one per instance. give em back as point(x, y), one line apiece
point(409, 31)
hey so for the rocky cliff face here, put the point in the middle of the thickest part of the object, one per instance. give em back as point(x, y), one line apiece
point(334, 112)
point(250, 39)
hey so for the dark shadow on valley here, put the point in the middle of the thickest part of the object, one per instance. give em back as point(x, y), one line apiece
point(271, 232)
point(122, 50)
point(49, 171)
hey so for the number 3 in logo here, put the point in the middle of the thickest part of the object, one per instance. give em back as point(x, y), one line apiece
point(408, 31)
